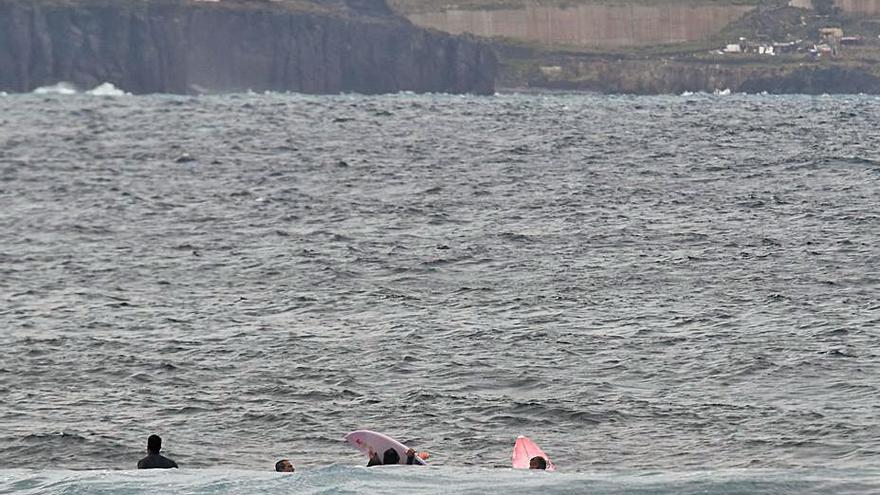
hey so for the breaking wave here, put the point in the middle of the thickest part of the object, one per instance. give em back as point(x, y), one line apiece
point(66, 89)
point(62, 88)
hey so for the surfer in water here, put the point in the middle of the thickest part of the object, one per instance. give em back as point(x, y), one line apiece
point(284, 466)
point(154, 460)
point(391, 457)
point(537, 462)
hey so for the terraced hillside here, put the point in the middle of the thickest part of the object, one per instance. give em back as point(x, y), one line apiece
point(579, 23)
point(610, 24)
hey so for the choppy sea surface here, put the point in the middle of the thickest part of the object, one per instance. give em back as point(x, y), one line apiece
point(668, 294)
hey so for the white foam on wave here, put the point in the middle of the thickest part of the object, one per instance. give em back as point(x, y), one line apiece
point(66, 88)
point(106, 89)
point(62, 88)
point(438, 479)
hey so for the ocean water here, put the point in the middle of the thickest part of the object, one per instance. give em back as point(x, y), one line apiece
point(337, 479)
point(668, 294)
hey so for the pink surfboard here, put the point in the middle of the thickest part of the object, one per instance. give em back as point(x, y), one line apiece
point(524, 449)
point(367, 441)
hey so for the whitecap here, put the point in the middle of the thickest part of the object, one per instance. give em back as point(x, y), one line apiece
point(106, 89)
point(62, 88)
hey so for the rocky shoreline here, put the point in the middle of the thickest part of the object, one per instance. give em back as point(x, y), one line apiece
point(613, 75)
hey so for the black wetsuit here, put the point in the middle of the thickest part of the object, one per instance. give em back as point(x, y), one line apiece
point(156, 461)
point(410, 460)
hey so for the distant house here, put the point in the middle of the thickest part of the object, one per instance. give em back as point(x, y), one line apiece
point(787, 47)
point(752, 47)
point(732, 48)
point(759, 47)
point(831, 37)
point(823, 50)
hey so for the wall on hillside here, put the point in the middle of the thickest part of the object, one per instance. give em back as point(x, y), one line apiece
point(868, 7)
point(590, 25)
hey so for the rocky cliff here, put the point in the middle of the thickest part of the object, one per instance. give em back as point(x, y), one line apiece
point(186, 46)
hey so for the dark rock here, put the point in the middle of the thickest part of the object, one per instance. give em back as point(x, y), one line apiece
point(816, 80)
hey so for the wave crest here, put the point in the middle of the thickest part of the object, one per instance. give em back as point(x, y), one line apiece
point(65, 88)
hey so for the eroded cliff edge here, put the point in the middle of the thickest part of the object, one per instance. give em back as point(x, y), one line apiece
point(187, 46)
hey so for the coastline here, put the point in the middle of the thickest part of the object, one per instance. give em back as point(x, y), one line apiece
point(189, 47)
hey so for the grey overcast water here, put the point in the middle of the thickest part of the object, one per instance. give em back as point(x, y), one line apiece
point(649, 287)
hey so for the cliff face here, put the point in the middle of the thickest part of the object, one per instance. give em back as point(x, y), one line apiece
point(185, 47)
point(590, 24)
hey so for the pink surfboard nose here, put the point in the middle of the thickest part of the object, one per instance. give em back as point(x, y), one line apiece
point(524, 449)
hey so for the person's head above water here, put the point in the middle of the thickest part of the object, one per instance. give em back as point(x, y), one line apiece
point(284, 466)
point(537, 462)
point(391, 457)
point(155, 460)
point(154, 444)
